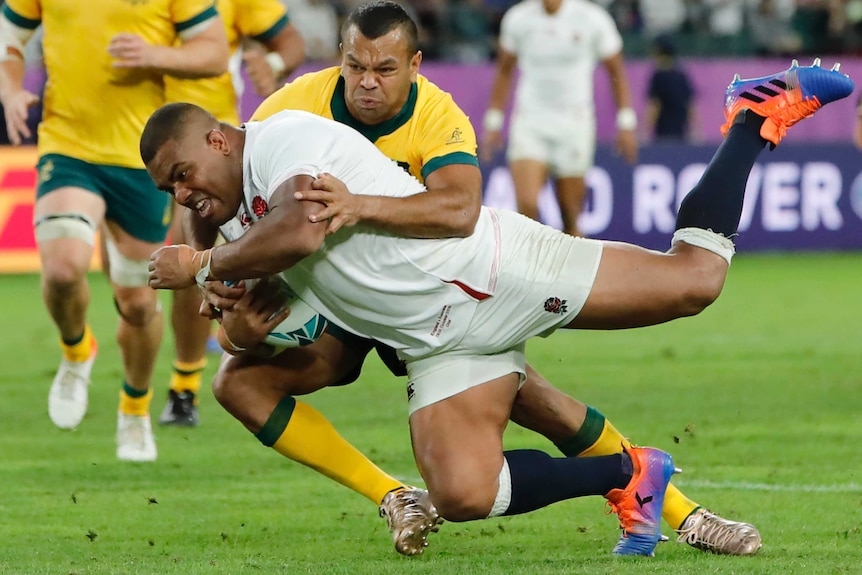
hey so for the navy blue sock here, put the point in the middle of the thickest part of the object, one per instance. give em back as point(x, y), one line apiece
point(539, 479)
point(715, 202)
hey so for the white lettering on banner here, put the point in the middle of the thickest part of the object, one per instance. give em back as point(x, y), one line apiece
point(780, 197)
point(789, 197)
point(856, 195)
point(653, 199)
point(805, 197)
point(821, 190)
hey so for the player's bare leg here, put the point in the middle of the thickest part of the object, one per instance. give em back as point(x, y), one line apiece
point(139, 335)
point(570, 192)
point(528, 177)
point(66, 222)
point(259, 393)
point(457, 442)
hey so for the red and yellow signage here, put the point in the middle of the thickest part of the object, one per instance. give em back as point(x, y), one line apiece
point(17, 192)
point(18, 252)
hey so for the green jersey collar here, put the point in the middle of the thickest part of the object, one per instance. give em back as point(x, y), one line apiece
point(341, 114)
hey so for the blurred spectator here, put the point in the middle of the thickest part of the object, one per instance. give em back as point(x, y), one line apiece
point(317, 22)
point(771, 30)
point(469, 24)
point(820, 24)
point(662, 16)
point(669, 111)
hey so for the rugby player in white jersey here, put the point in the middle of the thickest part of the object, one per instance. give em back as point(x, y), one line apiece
point(465, 363)
point(556, 45)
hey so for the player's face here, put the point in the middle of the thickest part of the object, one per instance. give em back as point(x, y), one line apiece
point(198, 175)
point(377, 74)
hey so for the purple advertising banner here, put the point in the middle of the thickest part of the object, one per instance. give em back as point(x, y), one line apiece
point(806, 195)
point(798, 197)
point(470, 86)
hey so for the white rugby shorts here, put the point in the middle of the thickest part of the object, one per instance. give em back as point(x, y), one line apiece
point(544, 280)
point(565, 142)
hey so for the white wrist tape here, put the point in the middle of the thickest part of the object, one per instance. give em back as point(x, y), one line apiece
point(493, 121)
point(204, 272)
point(276, 62)
point(627, 119)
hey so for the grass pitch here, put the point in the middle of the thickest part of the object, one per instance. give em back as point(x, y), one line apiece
point(759, 399)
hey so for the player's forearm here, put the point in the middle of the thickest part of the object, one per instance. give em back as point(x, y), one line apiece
point(199, 59)
point(290, 47)
point(11, 78)
point(501, 86)
point(437, 214)
point(273, 244)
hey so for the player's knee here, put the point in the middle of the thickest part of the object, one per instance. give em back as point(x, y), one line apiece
point(223, 385)
point(459, 503)
point(465, 493)
point(61, 276)
point(138, 307)
point(703, 287)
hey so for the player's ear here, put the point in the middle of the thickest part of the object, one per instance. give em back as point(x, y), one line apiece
point(414, 64)
point(217, 140)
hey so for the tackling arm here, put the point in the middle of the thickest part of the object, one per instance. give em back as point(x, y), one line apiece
point(450, 207)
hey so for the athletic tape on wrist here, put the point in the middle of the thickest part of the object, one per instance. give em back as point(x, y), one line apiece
point(276, 62)
point(627, 119)
point(493, 120)
point(204, 271)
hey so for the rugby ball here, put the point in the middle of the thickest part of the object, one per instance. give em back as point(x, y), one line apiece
point(302, 327)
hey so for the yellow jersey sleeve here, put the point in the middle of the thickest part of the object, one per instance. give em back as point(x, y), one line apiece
point(436, 133)
point(312, 92)
point(260, 19)
point(444, 134)
point(92, 110)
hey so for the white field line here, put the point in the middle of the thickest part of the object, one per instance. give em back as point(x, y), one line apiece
point(748, 486)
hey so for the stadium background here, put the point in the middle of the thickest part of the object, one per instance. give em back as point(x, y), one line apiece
point(806, 195)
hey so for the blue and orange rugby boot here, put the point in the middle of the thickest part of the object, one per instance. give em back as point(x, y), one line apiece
point(785, 98)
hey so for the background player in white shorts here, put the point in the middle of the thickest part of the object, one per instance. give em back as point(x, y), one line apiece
point(556, 45)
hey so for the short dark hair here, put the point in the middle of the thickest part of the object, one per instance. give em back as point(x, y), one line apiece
point(376, 19)
point(168, 123)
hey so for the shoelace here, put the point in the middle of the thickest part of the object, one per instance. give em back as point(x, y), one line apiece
point(707, 532)
point(406, 508)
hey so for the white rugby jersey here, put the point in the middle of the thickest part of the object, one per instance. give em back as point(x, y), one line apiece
point(557, 53)
point(415, 295)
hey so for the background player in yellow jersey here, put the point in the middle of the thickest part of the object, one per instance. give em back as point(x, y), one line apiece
point(105, 62)
point(378, 91)
point(266, 22)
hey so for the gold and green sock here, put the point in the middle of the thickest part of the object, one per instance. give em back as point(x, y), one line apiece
point(187, 376)
point(134, 401)
point(598, 436)
point(301, 433)
point(79, 349)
